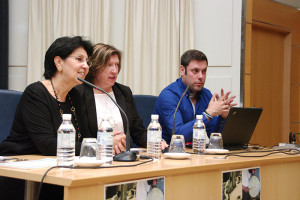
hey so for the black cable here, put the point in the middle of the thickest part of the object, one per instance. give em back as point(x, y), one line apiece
point(40, 187)
point(293, 138)
point(254, 146)
point(285, 151)
point(248, 150)
point(114, 166)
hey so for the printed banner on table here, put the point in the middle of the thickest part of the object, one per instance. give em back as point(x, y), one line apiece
point(144, 189)
point(241, 184)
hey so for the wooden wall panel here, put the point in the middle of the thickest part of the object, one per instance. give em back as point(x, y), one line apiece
point(295, 71)
point(295, 128)
point(247, 91)
point(295, 90)
point(249, 5)
point(295, 108)
point(296, 28)
point(275, 41)
point(273, 13)
point(248, 47)
point(277, 14)
point(267, 84)
point(286, 96)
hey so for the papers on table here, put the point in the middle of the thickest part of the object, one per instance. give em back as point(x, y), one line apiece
point(31, 164)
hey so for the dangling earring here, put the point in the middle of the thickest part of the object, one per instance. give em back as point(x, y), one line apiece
point(59, 69)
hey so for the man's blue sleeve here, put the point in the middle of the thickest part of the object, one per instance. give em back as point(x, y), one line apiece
point(165, 107)
point(215, 125)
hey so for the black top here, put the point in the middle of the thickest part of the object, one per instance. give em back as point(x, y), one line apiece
point(125, 100)
point(37, 118)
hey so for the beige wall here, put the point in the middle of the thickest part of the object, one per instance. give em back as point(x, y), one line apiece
point(217, 34)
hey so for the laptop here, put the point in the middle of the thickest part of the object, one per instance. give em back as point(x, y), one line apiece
point(239, 127)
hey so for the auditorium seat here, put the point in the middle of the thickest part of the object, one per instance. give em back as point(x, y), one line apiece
point(9, 100)
point(145, 106)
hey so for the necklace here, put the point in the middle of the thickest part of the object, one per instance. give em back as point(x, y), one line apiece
point(72, 109)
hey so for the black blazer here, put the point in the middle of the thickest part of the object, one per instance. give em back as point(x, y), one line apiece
point(125, 100)
point(37, 118)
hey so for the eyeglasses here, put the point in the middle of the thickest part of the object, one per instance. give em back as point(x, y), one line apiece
point(80, 59)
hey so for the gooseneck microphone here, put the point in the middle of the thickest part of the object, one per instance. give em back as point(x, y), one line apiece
point(186, 89)
point(125, 156)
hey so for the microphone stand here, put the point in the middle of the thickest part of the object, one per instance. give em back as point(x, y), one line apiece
point(177, 140)
point(124, 156)
point(186, 89)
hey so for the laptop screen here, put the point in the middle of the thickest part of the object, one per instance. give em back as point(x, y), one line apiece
point(239, 127)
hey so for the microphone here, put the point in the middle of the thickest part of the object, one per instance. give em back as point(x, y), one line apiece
point(186, 89)
point(177, 144)
point(125, 156)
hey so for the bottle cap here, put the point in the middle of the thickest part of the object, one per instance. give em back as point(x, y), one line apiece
point(199, 117)
point(153, 116)
point(67, 117)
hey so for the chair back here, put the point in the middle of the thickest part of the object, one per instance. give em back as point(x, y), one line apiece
point(9, 100)
point(145, 106)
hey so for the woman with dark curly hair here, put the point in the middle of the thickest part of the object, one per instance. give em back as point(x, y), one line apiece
point(39, 112)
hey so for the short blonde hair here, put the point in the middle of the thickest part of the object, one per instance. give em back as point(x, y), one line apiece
point(100, 58)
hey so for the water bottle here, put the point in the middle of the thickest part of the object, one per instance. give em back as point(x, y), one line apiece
point(154, 138)
point(199, 135)
point(105, 142)
point(66, 142)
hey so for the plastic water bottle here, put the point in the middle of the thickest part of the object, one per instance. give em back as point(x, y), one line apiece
point(105, 142)
point(66, 142)
point(199, 135)
point(154, 138)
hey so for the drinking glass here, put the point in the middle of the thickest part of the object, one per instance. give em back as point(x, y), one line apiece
point(89, 148)
point(215, 141)
point(177, 144)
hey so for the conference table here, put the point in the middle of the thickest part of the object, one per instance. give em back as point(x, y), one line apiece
point(197, 177)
